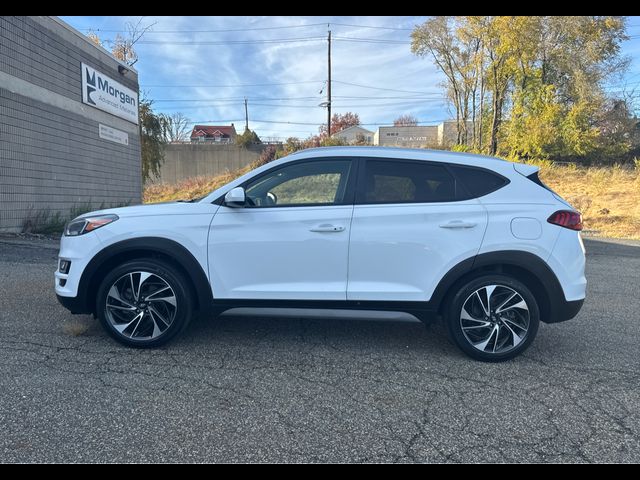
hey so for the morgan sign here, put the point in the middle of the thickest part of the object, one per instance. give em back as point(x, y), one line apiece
point(106, 94)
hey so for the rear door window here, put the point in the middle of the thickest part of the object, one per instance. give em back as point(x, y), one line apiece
point(477, 181)
point(400, 181)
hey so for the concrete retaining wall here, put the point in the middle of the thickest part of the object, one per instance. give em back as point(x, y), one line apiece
point(190, 160)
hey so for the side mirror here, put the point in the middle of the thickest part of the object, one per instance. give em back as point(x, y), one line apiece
point(235, 198)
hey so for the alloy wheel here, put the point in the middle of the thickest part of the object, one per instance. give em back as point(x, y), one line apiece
point(141, 305)
point(495, 319)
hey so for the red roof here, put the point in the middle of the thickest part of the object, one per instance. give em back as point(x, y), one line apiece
point(213, 131)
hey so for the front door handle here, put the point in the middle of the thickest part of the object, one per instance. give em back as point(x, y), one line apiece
point(327, 228)
point(458, 224)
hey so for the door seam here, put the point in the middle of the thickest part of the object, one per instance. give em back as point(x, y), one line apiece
point(346, 291)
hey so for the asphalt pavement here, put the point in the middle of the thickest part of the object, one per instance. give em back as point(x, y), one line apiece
point(276, 389)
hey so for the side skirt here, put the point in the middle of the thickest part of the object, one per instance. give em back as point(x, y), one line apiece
point(423, 311)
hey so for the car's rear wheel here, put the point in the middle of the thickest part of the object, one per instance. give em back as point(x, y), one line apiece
point(492, 318)
point(144, 303)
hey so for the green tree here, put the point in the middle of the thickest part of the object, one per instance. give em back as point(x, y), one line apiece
point(536, 82)
point(151, 140)
point(559, 66)
point(249, 137)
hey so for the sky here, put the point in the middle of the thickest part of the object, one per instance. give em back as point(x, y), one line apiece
point(204, 67)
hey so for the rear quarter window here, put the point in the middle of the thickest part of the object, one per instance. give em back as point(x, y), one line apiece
point(477, 182)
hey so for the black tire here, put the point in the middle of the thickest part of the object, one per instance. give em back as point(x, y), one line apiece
point(180, 314)
point(510, 341)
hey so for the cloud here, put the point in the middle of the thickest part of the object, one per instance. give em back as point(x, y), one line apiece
point(176, 75)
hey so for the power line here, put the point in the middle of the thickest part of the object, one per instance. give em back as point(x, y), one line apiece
point(414, 97)
point(433, 103)
point(271, 41)
point(231, 101)
point(232, 85)
point(381, 88)
point(231, 98)
point(224, 30)
point(239, 85)
point(204, 122)
point(252, 29)
point(371, 40)
point(345, 97)
point(361, 105)
point(372, 26)
point(231, 42)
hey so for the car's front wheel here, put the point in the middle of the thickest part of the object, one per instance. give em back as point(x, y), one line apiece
point(492, 318)
point(144, 303)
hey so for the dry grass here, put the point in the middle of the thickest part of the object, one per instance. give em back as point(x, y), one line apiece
point(75, 327)
point(609, 198)
point(188, 189)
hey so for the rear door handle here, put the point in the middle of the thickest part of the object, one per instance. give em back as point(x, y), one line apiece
point(327, 228)
point(458, 224)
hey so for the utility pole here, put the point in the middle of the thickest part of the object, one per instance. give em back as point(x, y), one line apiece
point(246, 115)
point(329, 84)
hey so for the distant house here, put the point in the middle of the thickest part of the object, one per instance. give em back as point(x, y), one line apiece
point(214, 134)
point(355, 134)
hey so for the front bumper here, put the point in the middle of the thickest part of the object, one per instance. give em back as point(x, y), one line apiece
point(73, 304)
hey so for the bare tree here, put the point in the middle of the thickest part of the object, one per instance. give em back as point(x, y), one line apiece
point(175, 127)
point(405, 120)
point(123, 45)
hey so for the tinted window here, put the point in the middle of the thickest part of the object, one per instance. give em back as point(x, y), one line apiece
point(397, 181)
point(536, 179)
point(310, 183)
point(478, 181)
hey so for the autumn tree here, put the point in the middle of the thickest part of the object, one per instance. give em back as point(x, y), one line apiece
point(340, 121)
point(454, 54)
point(269, 154)
point(406, 120)
point(559, 66)
point(123, 47)
point(543, 74)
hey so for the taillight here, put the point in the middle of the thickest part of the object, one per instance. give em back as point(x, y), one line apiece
point(567, 218)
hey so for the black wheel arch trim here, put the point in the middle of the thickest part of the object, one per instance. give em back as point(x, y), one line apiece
point(158, 245)
point(559, 309)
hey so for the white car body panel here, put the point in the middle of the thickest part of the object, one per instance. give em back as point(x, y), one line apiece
point(185, 223)
point(401, 251)
point(271, 253)
point(568, 263)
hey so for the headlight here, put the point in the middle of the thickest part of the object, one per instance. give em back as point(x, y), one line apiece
point(83, 225)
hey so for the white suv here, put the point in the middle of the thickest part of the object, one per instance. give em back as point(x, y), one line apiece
point(477, 240)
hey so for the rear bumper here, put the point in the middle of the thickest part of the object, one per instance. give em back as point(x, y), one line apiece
point(564, 310)
point(73, 304)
